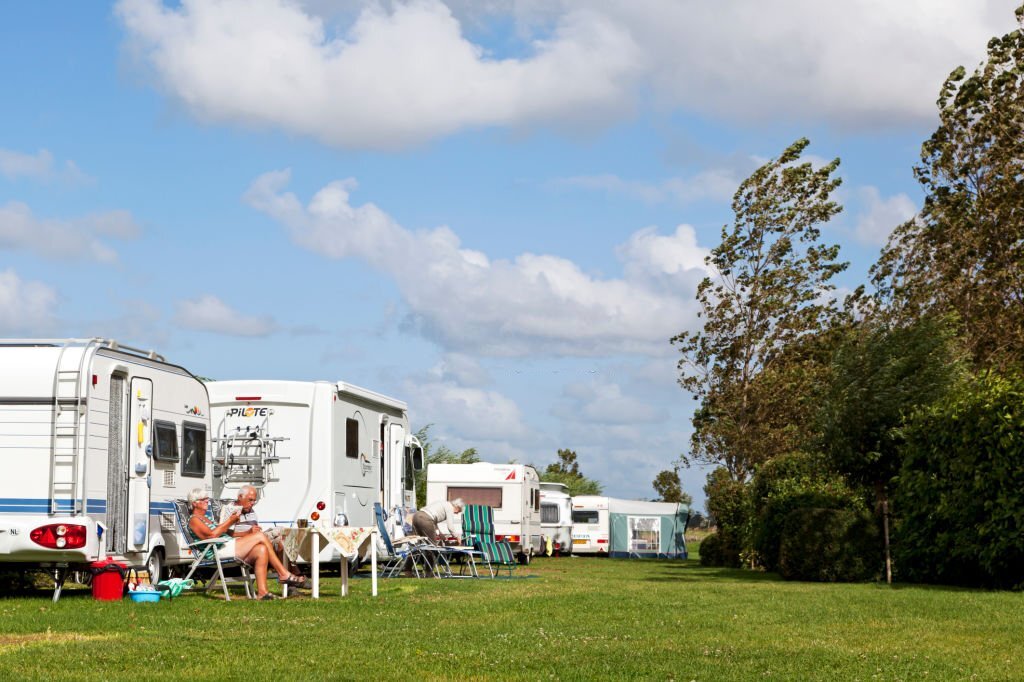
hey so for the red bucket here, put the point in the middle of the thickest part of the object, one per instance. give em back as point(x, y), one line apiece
point(107, 579)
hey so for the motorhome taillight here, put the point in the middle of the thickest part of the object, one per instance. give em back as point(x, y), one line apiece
point(247, 398)
point(510, 538)
point(315, 516)
point(59, 536)
point(321, 505)
point(603, 541)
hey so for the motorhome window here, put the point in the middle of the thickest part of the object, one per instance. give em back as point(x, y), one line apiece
point(584, 516)
point(351, 438)
point(490, 497)
point(409, 472)
point(165, 441)
point(536, 501)
point(549, 513)
point(193, 448)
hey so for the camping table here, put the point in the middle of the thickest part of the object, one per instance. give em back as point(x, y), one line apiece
point(303, 544)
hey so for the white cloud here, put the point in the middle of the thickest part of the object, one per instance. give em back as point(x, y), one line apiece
point(880, 216)
point(397, 76)
point(478, 415)
point(209, 314)
point(39, 166)
point(605, 403)
point(26, 307)
point(65, 239)
point(532, 304)
point(403, 72)
point(461, 369)
point(714, 185)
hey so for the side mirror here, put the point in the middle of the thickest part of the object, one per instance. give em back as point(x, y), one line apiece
point(417, 459)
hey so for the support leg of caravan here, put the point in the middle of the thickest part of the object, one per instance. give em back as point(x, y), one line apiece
point(59, 576)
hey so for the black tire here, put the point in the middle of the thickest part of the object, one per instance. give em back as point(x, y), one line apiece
point(524, 558)
point(155, 566)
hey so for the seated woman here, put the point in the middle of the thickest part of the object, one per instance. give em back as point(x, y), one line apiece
point(254, 549)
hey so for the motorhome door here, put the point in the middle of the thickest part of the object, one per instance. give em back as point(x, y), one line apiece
point(395, 455)
point(137, 461)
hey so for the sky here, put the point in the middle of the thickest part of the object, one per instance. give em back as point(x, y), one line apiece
point(495, 210)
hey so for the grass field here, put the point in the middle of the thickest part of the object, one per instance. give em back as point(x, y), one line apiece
point(561, 618)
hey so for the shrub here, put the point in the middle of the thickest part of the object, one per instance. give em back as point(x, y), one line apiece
point(729, 503)
point(829, 545)
point(959, 497)
point(788, 483)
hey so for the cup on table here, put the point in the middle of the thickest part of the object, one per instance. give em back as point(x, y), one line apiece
point(302, 523)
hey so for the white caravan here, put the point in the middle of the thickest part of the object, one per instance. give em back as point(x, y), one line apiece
point(590, 524)
point(96, 441)
point(512, 490)
point(556, 517)
point(319, 450)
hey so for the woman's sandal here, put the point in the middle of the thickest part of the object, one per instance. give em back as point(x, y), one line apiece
point(294, 581)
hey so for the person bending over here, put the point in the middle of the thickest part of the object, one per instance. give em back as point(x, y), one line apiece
point(254, 549)
point(424, 521)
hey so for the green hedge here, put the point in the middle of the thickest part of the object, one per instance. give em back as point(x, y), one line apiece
point(829, 545)
point(959, 498)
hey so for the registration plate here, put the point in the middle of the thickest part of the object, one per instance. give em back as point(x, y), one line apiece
point(579, 541)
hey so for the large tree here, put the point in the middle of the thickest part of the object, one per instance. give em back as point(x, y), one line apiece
point(964, 252)
point(670, 488)
point(566, 469)
point(769, 291)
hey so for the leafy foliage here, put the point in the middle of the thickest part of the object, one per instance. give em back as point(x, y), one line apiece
point(769, 291)
point(729, 504)
point(567, 470)
point(829, 545)
point(439, 455)
point(965, 252)
point(670, 488)
point(788, 483)
point(959, 499)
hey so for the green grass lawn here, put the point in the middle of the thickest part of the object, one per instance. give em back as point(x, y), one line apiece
point(572, 618)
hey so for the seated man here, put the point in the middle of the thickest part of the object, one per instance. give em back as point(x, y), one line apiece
point(247, 523)
point(424, 521)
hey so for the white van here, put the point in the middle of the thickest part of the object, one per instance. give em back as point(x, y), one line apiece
point(511, 490)
point(96, 441)
point(329, 449)
point(590, 527)
point(556, 518)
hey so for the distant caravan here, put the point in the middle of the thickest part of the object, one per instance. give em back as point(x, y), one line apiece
point(96, 441)
point(317, 450)
point(511, 490)
point(556, 518)
point(629, 528)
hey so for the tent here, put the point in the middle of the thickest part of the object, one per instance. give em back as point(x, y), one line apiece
point(647, 529)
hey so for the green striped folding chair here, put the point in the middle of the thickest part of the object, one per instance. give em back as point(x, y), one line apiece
point(478, 531)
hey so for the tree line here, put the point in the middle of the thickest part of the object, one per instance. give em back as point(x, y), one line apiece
point(881, 434)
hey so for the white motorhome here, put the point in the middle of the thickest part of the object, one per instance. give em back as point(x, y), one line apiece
point(314, 449)
point(590, 524)
point(556, 517)
point(96, 441)
point(511, 490)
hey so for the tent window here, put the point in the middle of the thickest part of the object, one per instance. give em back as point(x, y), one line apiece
point(165, 441)
point(585, 516)
point(193, 448)
point(549, 513)
point(644, 533)
point(490, 497)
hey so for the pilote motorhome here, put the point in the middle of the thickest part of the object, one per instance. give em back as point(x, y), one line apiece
point(326, 450)
point(97, 439)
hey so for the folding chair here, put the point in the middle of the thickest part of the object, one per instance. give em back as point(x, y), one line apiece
point(204, 554)
point(408, 551)
point(478, 531)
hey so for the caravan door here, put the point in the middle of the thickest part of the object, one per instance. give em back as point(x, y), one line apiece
point(394, 453)
point(137, 461)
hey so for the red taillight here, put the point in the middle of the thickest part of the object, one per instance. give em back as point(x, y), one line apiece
point(59, 536)
point(247, 398)
point(321, 506)
point(315, 516)
point(510, 538)
point(603, 541)
point(558, 545)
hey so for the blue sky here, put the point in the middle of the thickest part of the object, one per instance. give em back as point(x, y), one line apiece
point(495, 210)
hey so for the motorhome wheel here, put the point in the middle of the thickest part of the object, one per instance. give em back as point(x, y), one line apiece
point(155, 566)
